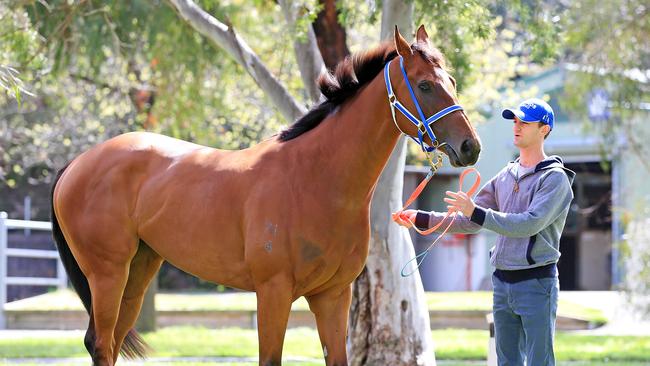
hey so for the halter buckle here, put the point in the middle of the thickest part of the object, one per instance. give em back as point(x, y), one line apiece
point(434, 166)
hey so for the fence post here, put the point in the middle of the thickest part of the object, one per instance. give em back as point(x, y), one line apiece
point(492, 348)
point(27, 212)
point(3, 268)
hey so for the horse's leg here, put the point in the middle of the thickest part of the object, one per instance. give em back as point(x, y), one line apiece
point(107, 269)
point(273, 307)
point(107, 282)
point(331, 310)
point(143, 268)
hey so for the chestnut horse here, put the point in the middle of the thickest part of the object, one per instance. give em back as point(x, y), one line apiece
point(286, 218)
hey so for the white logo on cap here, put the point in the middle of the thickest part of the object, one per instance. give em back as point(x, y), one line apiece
point(530, 105)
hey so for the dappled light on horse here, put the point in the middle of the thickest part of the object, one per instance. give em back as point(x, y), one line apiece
point(275, 218)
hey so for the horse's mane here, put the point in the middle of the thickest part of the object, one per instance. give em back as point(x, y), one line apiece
point(349, 76)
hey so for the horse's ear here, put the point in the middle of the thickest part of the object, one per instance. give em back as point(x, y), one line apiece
point(421, 35)
point(403, 47)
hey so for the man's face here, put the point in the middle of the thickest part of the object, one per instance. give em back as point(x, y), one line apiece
point(528, 134)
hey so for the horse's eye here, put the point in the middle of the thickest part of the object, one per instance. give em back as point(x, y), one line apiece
point(425, 86)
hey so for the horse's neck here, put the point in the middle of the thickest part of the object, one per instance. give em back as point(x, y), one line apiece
point(351, 148)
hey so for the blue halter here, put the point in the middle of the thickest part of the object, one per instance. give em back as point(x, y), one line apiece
point(426, 122)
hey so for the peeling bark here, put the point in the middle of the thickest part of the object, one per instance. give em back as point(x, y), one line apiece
point(389, 320)
point(330, 34)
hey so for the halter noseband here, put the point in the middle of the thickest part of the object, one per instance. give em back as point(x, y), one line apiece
point(422, 121)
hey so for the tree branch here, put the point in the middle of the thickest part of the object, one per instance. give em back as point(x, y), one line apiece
point(308, 56)
point(224, 37)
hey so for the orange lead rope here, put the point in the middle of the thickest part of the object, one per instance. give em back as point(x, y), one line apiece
point(420, 257)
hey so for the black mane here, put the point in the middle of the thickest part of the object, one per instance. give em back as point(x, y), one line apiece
point(350, 75)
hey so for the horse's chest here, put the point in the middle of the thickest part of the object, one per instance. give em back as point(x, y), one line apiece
point(331, 263)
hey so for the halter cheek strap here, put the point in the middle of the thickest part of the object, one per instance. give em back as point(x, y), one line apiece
point(421, 122)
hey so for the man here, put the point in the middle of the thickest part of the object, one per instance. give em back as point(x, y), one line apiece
point(526, 203)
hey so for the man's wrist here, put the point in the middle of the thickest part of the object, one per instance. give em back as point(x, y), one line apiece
point(478, 216)
point(422, 219)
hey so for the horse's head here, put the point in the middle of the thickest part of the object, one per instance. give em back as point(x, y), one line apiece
point(428, 92)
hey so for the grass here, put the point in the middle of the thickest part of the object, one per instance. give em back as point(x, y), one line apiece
point(457, 347)
point(436, 301)
point(182, 363)
point(451, 344)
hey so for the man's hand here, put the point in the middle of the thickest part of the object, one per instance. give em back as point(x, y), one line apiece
point(460, 201)
point(402, 218)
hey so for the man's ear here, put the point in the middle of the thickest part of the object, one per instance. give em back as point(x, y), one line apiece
point(403, 48)
point(545, 129)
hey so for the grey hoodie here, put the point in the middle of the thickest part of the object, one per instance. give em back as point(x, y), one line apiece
point(529, 219)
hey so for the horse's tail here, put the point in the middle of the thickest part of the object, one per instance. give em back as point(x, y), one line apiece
point(133, 345)
point(77, 278)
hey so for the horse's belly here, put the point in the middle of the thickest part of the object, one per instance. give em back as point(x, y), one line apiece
point(215, 261)
point(200, 236)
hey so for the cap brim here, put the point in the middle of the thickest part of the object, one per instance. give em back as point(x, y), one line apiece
point(510, 113)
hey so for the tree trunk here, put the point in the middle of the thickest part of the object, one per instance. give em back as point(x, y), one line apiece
point(147, 319)
point(389, 320)
point(330, 34)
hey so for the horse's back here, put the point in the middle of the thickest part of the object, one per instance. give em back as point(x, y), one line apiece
point(124, 158)
point(104, 181)
point(148, 143)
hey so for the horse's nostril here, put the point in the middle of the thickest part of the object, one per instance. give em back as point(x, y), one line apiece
point(469, 150)
point(467, 147)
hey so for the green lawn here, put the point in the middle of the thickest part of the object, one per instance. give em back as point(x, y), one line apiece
point(456, 347)
point(451, 344)
point(440, 363)
point(182, 363)
point(478, 300)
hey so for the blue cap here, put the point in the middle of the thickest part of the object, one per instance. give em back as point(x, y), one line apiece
point(531, 110)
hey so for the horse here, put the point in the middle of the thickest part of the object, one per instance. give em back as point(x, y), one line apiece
point(285, 218)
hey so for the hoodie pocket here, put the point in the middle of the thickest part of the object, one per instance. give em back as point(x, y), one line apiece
point(529, 249)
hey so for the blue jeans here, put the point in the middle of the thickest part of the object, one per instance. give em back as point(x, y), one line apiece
point(524, 321)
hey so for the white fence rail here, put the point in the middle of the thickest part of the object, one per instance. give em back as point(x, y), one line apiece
point(60, 280)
